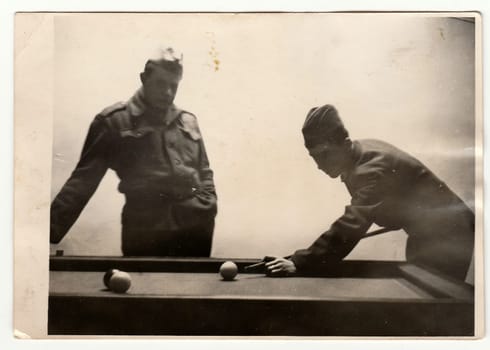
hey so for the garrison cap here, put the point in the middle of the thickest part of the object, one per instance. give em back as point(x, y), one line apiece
point(323, 124)
point(167, 58)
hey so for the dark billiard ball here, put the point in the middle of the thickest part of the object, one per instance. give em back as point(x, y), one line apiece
point(108, 276)
point(228, 270)
point(120, 282)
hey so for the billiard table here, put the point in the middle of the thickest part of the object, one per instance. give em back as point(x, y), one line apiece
point(186, 296)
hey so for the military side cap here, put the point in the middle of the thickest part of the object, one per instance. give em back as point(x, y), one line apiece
point(321, 124)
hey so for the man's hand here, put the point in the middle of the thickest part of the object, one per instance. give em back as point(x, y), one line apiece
point(280, 267)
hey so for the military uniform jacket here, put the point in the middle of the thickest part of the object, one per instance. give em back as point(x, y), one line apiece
point(163, 161)
point(393, 189)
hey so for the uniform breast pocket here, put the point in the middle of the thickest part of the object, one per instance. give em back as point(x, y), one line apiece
point(138, 146)
point(189, 149)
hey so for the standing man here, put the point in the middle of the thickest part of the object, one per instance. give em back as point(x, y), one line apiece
point(389, 188)
point(157, 151)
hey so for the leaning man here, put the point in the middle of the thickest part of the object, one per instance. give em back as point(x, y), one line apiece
point(157, 151)
point(389, 188)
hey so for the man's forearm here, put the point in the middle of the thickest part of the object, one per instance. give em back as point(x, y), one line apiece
point(74, 195)
point(336, 243)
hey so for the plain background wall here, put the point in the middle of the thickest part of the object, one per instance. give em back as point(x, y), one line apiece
point(251, 79)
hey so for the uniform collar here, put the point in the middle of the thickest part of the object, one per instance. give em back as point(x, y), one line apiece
point(137, 107)
point(356, 152)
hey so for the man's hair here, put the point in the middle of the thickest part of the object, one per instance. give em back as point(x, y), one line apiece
point(323, 124)
point(166, 58)
point(170, 66)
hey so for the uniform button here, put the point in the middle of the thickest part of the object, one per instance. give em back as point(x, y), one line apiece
point(177, 161)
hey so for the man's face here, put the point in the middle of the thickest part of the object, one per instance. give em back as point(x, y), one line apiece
point(160, 87)
point(331, 158)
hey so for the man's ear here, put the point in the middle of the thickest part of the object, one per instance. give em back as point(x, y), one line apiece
point(142, 77)
point(347, 142)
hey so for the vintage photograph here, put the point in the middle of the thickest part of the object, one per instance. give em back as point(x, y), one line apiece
point(256, 174)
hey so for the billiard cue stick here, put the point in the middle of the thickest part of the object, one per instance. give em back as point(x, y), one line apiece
point(378, 232)
point(369, 234)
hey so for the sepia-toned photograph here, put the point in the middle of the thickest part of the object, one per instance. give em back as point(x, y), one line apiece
point(250, 174)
